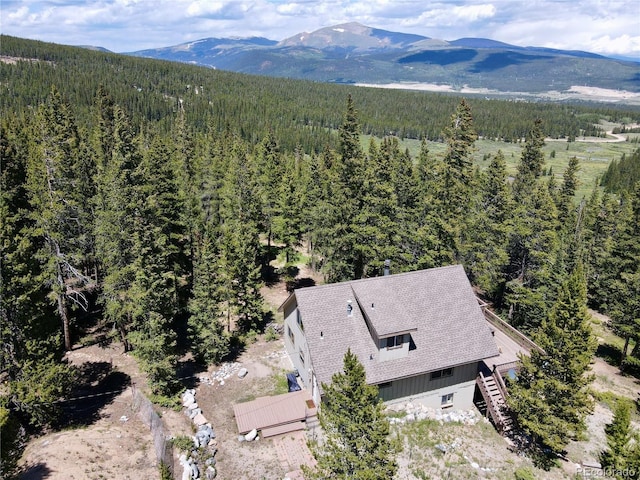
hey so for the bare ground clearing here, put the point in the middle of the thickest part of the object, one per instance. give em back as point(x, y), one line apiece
point(103, 445)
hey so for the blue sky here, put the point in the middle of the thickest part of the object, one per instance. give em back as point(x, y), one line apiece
point(600, 26)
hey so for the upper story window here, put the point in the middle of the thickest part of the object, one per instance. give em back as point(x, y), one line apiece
point(392, 342)
point(446, 372)
point(291, 335)
point(299, 320)
point(302, 359)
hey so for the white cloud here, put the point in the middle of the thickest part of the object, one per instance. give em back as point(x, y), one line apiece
point(623, 43)
point(202, 7)
point(126, 25)
point(20, 14)
point(473, 13)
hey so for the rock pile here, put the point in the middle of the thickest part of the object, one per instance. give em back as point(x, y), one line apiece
point(276, 354)
point(204, 442)
point(420, 412)
point(224, 372)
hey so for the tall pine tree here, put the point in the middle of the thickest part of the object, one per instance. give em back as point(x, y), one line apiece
point(486, 239)
point(52, 184)
point(356, 443)
point(550, 396)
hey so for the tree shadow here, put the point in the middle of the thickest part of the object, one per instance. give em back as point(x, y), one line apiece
point(270, 275)
point(98, 384)
point(36, 471)
point(188, 371)
point(609, 353)
point(237, 346)
point(300, 283)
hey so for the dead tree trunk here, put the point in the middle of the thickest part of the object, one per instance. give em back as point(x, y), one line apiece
point(63, 311)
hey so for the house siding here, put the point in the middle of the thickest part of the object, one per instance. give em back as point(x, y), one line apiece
point(422, 389)
point(298, 345)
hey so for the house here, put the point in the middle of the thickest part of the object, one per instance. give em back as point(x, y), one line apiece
point(421, 336)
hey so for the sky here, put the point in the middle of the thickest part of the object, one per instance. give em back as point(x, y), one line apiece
point(607, 27)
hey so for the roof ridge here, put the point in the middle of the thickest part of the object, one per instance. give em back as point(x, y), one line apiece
point(394, 275)
point(403, 274)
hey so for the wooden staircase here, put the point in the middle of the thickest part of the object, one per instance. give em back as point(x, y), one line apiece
point(494, 394)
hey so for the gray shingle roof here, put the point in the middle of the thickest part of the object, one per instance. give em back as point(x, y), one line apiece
point(437, 305)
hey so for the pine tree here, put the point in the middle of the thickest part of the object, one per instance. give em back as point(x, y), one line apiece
point(240, 242)
point(619, 434)
point(287, 225)
point(566, 213)
point(453, 195)
point(317, 204)
point(533, 246)
point(342, 259)
point(350, 150)
point(356, 443)
point(375, 223)
point(550, 397)
point(533, 243)
point(270, 170)
point(161, 235)
point(531, 162)
point(624, 282)
point(460, 137)
point(53, 191)
point(154, 343)
point(159, 266)
point(601, 228)
point(209, 340)
point(430, 242)
point(241, 274)
point(486, 239)
point(116, 222)
point(30, 351)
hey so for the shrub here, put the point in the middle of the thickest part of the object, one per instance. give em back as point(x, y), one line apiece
point(183, 443)
point(270, 335)
point(524, 473)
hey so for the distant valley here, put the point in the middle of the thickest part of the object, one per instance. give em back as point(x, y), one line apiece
point(356, 54)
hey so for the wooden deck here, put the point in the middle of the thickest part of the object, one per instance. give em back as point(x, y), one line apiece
point(275, 415)
point(511, 343)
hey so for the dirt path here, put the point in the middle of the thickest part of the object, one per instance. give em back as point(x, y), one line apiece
point(609, 378)
point(110, 441)
point(617, 138)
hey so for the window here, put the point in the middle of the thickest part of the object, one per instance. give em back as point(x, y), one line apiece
point(292, 337)
point(301, 357)
point(447, 372)
point(394, 342)
point(299, 320)
point(447, 400)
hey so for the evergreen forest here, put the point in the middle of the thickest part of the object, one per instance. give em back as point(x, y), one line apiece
point(153, 195)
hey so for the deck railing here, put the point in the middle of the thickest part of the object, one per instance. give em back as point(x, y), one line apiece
point(517, 336)
point(500, 382)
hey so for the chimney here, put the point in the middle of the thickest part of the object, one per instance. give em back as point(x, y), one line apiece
point(349, 309)
point(387, 267)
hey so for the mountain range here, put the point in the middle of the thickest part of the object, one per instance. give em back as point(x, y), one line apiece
point(357, 54)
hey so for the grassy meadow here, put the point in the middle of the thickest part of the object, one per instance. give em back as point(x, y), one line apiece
point(593, 153)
